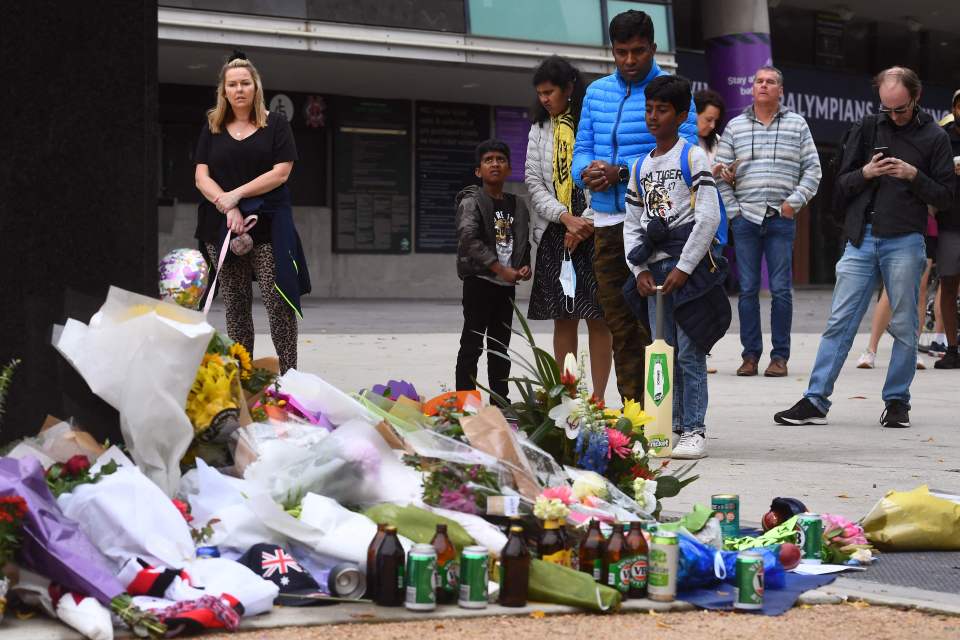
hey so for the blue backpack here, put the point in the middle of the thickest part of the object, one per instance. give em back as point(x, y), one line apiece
point(720, 237)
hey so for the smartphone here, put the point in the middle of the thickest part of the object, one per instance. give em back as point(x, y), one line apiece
point(885, 151)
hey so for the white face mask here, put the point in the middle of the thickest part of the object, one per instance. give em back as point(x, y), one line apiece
point(568, 276)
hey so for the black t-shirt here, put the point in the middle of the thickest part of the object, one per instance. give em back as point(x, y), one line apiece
point(235, 162)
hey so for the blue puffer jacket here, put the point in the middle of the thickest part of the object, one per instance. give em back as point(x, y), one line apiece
point(613, 128)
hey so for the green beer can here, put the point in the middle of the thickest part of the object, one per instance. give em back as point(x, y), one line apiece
point(421, 593)
point(810, 538)
point(726, 507)
point(748, 585)
point(473, 578)
point(662, 568)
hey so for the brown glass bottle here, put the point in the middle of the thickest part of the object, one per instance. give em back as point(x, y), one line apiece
point(551, 544)
point(448, 569)
point(371, 561)
point(389, 564)
point(615, 559)
point(592, 552)
point(514, 570)
point(637, 551)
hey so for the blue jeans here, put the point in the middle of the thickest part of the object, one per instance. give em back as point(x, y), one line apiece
point(753, 242)
point(899, 262)
point(690, 362)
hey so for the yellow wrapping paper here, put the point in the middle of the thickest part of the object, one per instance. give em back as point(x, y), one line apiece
point(913, 521)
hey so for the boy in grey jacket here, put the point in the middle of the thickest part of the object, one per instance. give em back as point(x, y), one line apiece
point(673, 224)
point(493, 254)
point(773, 164)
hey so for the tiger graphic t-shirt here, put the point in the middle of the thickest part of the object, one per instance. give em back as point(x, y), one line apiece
point(503, 210)
point(657, 189)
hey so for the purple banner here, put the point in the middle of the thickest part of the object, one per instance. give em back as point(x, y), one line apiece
point(512, 125)
point(732, 62)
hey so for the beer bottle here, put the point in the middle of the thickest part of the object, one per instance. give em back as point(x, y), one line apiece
point(514, 569)
point(638, 551)
point(389, 564)
point(448, 569)
point(592, 552)
point(551, 544)
point(616, 560)
point(372, 561)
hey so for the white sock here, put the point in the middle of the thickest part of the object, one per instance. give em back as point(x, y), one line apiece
point(941, 338)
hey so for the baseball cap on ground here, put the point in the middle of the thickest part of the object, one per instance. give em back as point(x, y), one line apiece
point(274, 563)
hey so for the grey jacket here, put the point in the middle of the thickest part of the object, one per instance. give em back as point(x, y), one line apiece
point(476, 243)
point(538, 176)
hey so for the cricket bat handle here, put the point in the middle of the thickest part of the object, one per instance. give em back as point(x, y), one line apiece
point(659, 328)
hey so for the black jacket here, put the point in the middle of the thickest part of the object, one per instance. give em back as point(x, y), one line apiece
point(898, 206)
point(476, 233)
point(949, 219)
point(700, 307)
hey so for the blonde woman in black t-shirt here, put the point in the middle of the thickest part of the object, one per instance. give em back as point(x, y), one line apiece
point(245, 154)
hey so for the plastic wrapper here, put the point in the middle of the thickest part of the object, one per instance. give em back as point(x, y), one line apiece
point(141, 355)
point(553, 583)
point(88, 617)
point(419, 525)
point(489, 432)
point(703, 566)
point(547, 470)
point(319, 397)
point(913, 521)
point(352, 464)
point(52, 544)
point(127, 516)
point(621, 506)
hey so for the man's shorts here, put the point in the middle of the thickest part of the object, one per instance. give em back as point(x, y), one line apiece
point(948, 253)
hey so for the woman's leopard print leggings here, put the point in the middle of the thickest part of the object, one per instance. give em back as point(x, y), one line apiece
point(236, 287)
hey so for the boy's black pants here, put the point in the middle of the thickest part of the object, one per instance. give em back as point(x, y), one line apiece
point(487, 310)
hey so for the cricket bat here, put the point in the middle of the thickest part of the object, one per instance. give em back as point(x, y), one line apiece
point(658, 389)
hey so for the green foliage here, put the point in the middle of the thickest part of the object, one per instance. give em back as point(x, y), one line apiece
point(6, 376)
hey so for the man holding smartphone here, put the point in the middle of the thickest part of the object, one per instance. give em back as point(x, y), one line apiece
point(886, 195)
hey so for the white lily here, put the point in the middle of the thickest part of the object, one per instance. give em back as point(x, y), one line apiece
point(570, 366)
point(637, 450)
point(566, 416)
point(645, 493)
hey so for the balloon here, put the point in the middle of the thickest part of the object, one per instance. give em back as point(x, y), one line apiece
point(183, 277)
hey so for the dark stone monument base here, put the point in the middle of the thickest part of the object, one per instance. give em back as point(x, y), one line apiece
point(78, 188)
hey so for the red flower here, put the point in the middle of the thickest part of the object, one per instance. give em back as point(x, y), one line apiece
point(76, 465)
point(184, 509)
point(640, 471)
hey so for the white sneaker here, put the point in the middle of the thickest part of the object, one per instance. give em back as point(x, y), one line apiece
point(690, 446)
point(867, 360)
point(921, 365)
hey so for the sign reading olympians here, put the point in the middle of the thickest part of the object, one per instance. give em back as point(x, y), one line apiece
point(829, 100)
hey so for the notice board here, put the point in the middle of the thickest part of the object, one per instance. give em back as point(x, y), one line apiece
point(371, 176)
point(446, 138)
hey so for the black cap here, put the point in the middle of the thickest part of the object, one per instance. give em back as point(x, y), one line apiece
point(274, 563)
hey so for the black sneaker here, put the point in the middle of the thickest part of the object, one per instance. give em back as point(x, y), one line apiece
point(936, 349)
point(896, 415)
point(804, 412)
point(950, 360)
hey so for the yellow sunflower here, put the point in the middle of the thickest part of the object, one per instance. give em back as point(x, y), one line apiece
point(239, 353)
point(210, 393)
point(635, 414)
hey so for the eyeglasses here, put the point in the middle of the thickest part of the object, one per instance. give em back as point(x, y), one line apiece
point(898, 110)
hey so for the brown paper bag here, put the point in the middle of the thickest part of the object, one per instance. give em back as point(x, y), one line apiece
point(489, 432)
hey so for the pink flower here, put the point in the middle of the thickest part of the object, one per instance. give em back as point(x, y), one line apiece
point(618, 442)
point(561, 493)
point(461, 499)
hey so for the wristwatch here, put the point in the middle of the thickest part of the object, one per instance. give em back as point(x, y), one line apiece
point(623, 174)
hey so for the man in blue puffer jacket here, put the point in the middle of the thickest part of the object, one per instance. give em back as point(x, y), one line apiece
point(612, 135)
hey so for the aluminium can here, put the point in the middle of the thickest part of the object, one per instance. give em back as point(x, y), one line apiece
point(748, 582)
point(810, 538)
point(662, 566)
point(421, 585)
point(473, 578)
point(726, 506)
point(344, 580)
